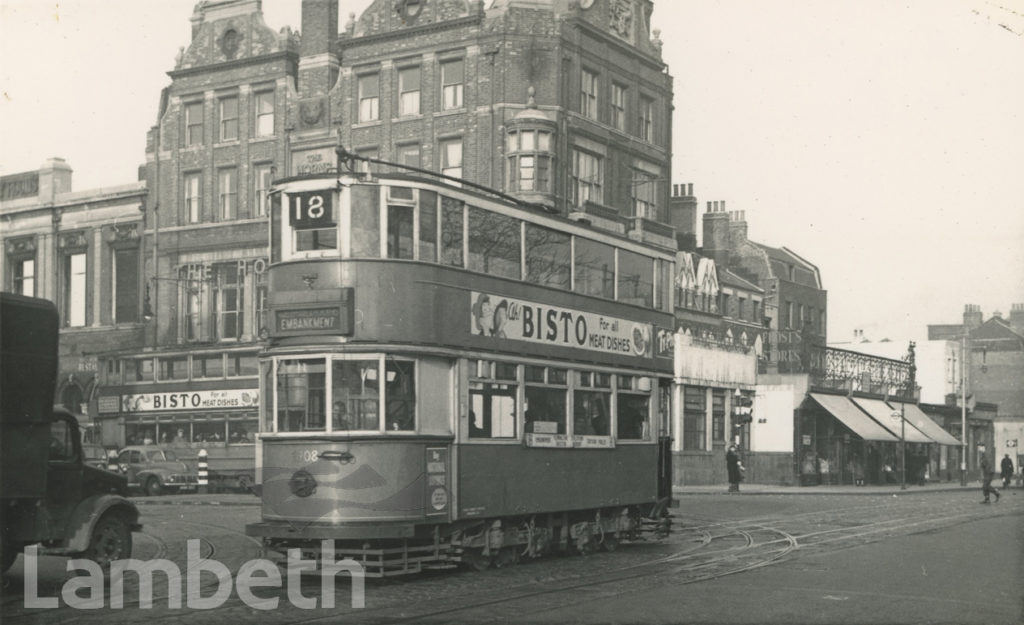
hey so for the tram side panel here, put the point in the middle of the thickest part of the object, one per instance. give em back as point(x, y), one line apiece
point(356, 481)
point(511, 480)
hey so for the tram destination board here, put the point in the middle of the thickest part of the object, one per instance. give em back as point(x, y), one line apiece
point(334, 319)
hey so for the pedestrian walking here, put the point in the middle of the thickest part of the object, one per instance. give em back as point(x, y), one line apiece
point(735, 469)
point(986, 479)
point(1006, 468)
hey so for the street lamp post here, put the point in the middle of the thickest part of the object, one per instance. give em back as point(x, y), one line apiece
point(901, 415)
point(963, 409)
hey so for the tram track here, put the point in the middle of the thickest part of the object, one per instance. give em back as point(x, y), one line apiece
point(700, 550)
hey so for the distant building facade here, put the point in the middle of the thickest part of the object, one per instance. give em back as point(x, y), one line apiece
point(995, 370)
point(83, 251)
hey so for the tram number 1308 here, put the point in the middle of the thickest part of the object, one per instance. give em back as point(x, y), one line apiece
point(311, 209)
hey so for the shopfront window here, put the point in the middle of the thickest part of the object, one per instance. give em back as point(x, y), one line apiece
point(694, 418)
point(718, 414)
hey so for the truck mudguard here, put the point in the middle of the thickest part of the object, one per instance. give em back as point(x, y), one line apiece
point(88, 513)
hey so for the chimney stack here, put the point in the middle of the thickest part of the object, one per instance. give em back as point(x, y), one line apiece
point(716, 234)
point(972, 316)
point(682, 215)
point(737, 229)
point(318, 64)
point(1017, 318)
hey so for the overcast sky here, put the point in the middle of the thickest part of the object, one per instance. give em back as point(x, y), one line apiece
point(881, 140)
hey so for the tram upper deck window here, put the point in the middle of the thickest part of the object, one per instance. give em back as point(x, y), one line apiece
point(545, 410)
point(356, 395)
point(301, 395)
point(365, 226)
point(494, 244)
point(635, 279)
point(548, 257)
point(452, 231)
point(400, 235)
point(428, 226)
point(595, 268)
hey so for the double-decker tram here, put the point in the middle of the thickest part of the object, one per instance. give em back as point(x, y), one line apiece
point(452, 376)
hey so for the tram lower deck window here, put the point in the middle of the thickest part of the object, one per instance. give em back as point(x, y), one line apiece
point(492, 410)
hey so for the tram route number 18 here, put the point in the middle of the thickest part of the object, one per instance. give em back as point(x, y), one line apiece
point(311, 209)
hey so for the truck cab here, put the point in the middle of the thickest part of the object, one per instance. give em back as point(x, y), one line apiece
point(49, 495)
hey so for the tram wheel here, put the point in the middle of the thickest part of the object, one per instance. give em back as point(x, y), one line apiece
point(585, 545)
point(476, 560)
point(610, 542)
point(508, 556)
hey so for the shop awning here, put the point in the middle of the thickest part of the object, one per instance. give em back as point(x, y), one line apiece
point(882, 412)
point(924, 423)
point(840, 407)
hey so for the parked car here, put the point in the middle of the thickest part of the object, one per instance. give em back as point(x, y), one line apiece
point(155, 470)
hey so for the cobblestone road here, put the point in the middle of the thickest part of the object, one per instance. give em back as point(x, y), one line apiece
point(713, 537)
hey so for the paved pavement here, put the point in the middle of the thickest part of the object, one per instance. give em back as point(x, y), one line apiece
point(894, 489)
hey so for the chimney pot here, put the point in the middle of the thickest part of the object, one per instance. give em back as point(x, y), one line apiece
point(689, 189)
point(709, 207)
point(723, 205)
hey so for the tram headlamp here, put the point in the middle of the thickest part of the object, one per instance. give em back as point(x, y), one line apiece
point(302, 483)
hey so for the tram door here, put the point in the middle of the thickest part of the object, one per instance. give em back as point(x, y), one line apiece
point(664, 439)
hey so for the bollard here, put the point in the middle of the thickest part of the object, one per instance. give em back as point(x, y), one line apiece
point(203, 481)
point(112, 461)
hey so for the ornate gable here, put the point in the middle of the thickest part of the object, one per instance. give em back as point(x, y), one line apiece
point(230, 30)
point(627, 20)
point(707, 277)
point(384, 16)
point(686, 277)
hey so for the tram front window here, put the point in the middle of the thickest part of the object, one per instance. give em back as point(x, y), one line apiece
point(400, 393)
point(301, 395)
point(356, 395)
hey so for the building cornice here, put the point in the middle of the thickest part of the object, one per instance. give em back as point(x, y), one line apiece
point(286, 55)
point(345, 41)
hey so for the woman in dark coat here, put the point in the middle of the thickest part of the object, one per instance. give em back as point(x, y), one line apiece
point(732, 463)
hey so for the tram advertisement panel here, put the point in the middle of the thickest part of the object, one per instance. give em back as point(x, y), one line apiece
point(521, 320)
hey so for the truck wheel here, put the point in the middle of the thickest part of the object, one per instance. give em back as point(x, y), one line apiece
point(154, 487)
point(111, 540)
